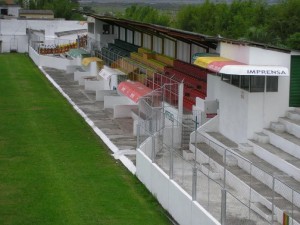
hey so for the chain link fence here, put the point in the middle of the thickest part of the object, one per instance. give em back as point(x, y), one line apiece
point(223, 180)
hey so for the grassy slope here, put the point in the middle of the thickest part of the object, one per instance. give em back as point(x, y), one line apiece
point(53, 169)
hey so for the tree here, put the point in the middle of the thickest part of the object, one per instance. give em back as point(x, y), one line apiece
point(293, 41)
point(61, 8)
point(146, 14)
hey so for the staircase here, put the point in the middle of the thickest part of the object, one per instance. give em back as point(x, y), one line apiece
point(267, 166)
point(188, 126)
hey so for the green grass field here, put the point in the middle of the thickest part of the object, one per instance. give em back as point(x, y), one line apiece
point(53, 168)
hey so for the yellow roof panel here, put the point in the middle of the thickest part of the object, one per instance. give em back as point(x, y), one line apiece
point(205, 61)
point(88, 60)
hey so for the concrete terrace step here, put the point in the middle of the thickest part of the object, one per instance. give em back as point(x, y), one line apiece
point(258, 188)
point(271, 169)
point(223, 140)
point(278, 158)
point(291, 126)
point(285, 141)
point(294, 114)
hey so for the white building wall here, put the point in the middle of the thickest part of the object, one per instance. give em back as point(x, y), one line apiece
point(272, 100)
point(14, 11)
point(101, 38)
point(16, 30)
point(122, 33)
point(243, 113)
point(233, 112)
point(146, 41)
point(169, 49)
point(238, 53)
point(197, 49)
point(129, 36)
point(157, 44)
point(116, 31)
point(183, 51)
point(169, 194)
point(137, 38)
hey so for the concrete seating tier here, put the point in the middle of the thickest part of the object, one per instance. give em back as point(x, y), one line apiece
point(169, 61)
point(116, 49)
point(126, 65)
point(147, 59)
point(239, 175)
point(109, 55)
point(189, 82)
point(126, 46)
point(191, 70)
point(144, 50)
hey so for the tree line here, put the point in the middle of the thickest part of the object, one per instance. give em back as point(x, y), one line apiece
point(252, 20)
point(62, 8)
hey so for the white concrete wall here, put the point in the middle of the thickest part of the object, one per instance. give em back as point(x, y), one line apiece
point(137, 38)
point(169, 49)
point(49, 61)
point(93, 85)
point(275, 103)
point(112, 101)
point(129, 36)
point(101, 93)
point(197, 49)
point(146, 41)
point(169, 194)
point(183, 51)
point(243, 113)
point(157, 44)
point(123, 111)
point(122, 33)
point(103, 39)
point(14, 28)
point(233, 108)
point(14, 42)
point(238, 53)
point(13, 10)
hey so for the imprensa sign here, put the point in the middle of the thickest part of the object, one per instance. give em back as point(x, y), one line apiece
point(249, 70)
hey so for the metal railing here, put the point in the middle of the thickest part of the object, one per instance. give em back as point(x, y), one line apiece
point(224, 181)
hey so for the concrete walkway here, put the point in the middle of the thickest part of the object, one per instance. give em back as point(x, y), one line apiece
point(117, 131)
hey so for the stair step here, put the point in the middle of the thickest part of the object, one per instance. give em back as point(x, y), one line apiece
point(188, 154)
point(223, 140)
point(294, 114)
point(285, 141)
point(263, 211)
point(261, 137)
point(291, 126)
point(245, 148)
point(210, 171)
point(277, 126)
point(278, 158)
point(258, 186)
point(230, 160)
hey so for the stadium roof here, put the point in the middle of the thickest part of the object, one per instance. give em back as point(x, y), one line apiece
point(202, 40)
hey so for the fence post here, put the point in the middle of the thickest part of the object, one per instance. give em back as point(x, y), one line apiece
point(273, 196)
point(153, 148)
point(138, 135)
point(292, 207)
point(225, 162)
point(194, 187)
point(223, 206)
point(171, 173)
point(171, 153)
